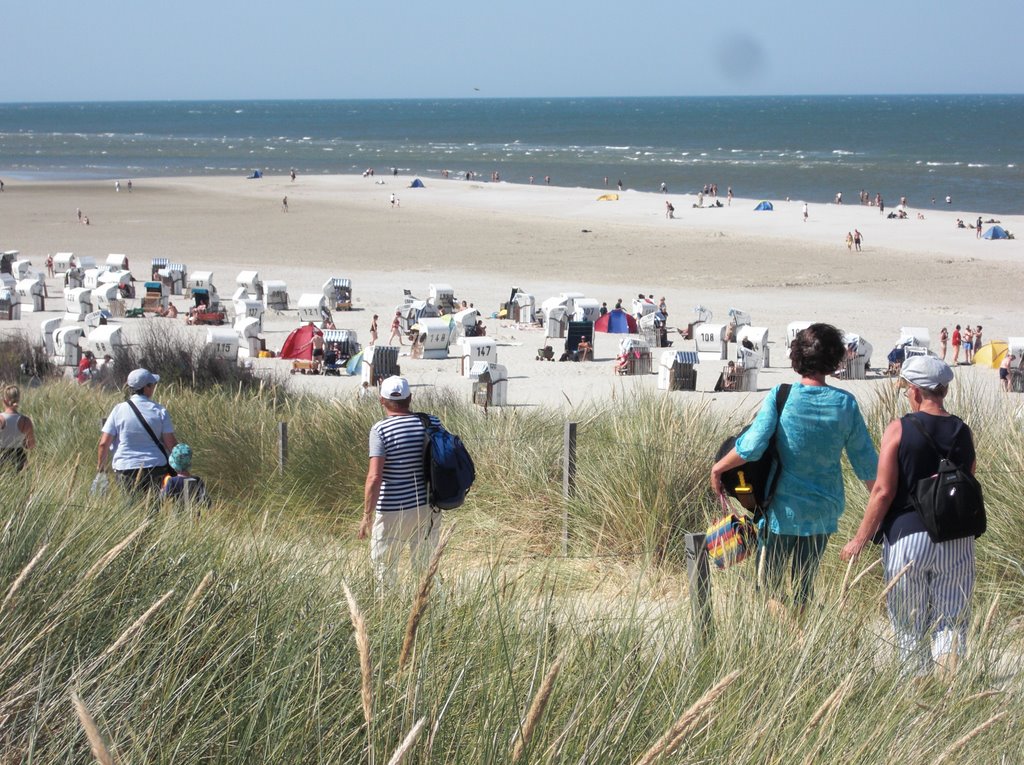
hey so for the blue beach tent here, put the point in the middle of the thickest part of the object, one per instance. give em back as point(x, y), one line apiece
point(764, 206)
point(416, 184)
point(616, 321)
point(996, 232)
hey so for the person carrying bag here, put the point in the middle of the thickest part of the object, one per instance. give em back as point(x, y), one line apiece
point(927, 509)
point(137, 436)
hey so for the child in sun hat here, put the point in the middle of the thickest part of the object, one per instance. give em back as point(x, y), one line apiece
point(184, 488)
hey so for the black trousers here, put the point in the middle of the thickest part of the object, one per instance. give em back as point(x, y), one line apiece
point(141, 481)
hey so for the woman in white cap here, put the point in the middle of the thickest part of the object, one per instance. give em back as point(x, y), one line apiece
point(139, 435)
point(930, 603)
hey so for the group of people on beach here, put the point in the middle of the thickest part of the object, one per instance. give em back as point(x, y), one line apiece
point(966, 339)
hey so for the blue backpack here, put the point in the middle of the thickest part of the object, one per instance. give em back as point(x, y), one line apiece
point(447, 465)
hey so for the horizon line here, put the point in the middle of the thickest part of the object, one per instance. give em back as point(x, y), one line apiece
point(479, 97)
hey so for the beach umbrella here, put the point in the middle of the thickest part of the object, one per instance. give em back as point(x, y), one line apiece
point(991, 354)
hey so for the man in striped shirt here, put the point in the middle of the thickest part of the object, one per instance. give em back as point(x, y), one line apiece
point(396, 511)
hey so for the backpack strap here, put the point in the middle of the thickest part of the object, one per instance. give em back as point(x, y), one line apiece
point(931, 441)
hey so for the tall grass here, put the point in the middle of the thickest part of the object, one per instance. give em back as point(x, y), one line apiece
point(257, 634)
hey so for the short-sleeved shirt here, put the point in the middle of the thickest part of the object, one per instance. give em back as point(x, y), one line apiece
point(401, 440)
point(133, 446)
point(818, 423)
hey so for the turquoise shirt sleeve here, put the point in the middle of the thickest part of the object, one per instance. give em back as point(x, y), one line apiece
point(751, 445)
point(861, 449)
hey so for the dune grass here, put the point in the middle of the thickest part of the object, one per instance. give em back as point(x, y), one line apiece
point(256, 633)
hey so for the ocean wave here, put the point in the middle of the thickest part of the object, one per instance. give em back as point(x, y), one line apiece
point(843, 152)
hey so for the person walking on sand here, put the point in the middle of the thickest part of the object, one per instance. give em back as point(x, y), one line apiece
point(943, 339)
point(396, 328)
point(929, 602)
point(129, 185)
point(396, 509)
point(805, 212)
point(117, 186)
point(849, 240)
point(17, 434)
point(857, 239)
point(284, 205)
point(373, 330)
point(670, 210)
point(955, 342)
point(79, 211)
point(49, 266)
point(728, 196)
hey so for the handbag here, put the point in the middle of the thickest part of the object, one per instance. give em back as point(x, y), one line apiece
point(731, 538)
point(950, 501)
point(157, 441)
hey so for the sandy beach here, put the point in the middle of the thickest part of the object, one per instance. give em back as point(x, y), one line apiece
point(483, 238)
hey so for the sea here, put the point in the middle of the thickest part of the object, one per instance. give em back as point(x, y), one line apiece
point(924, 148)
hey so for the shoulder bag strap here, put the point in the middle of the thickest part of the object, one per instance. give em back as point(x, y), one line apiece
point(149, 430)
point(781, 397)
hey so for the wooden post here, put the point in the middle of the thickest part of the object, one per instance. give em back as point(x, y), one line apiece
point(699, 575)
point(568, 479)
point(282, 446)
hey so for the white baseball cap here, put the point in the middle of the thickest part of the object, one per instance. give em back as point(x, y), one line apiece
point(395, 388)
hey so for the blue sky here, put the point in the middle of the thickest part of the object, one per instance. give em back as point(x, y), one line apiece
point(57, 50)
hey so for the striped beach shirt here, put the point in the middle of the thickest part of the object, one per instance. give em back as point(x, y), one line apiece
point(401, 441)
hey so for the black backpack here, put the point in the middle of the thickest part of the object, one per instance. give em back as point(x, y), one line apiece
point(950, 501)
point(447, 466)
point(753, 483)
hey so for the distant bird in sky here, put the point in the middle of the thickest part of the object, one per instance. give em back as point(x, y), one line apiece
point(477, 89)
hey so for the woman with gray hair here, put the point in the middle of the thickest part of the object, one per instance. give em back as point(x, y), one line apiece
point(930, 603)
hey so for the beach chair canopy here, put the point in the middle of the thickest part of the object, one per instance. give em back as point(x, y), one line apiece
point(616, 321)
point(764, 206)
point(996, 232)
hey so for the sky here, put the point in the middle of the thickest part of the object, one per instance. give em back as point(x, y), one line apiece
point(112, 50)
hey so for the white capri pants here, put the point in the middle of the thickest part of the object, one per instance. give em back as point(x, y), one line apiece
point(393, 530)
point(930, 606)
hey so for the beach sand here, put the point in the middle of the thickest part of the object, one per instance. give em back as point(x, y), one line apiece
point(484, 238)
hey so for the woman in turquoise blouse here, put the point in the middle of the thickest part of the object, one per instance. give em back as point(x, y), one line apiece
point(817, 424)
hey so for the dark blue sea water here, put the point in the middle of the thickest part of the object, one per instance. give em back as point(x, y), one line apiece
point(970, 147)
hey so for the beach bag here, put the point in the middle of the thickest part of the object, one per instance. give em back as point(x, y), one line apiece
point(448, 466)
point(753, 483)
point(730, 539)
point(950, 501)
